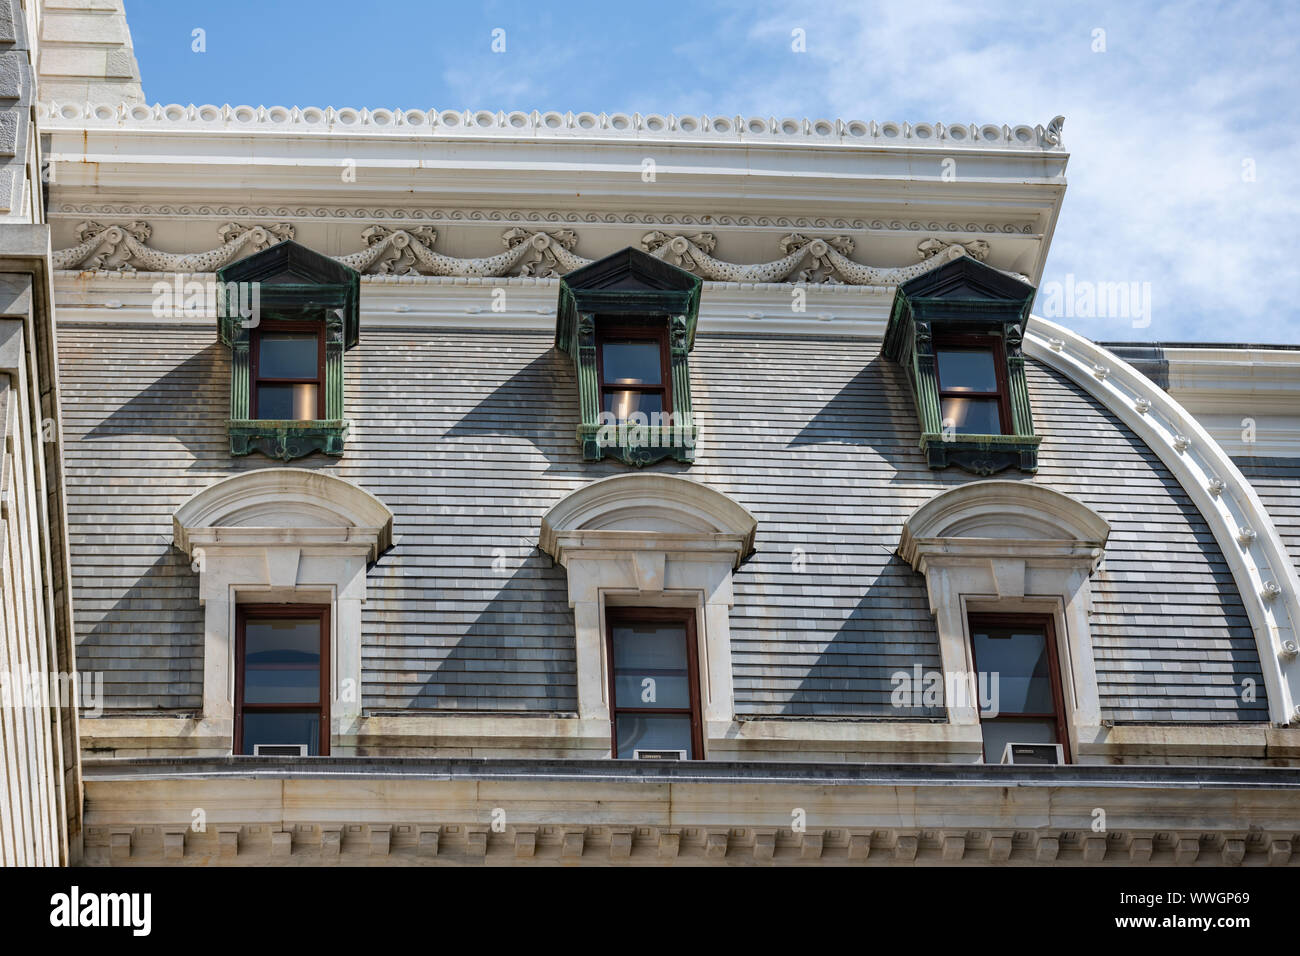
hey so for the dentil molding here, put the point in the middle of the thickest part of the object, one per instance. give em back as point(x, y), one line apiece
point(555, 125)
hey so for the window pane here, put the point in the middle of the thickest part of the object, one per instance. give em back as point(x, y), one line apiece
point(282, 727)
point(282, 661)
point(287, 355)
point(633, 362)
point(653, 732)
point(966, 370)
point(650, 666)
point(287, 402)
point(624, 404)
point(1018, 656)
point(999, 733)
point(972, 416)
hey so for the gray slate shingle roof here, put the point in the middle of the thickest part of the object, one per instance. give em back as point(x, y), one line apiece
point(469, 437)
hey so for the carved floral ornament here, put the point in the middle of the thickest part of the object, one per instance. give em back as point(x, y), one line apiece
point(542, 253)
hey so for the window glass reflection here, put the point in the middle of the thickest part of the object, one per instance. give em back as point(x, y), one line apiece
point(971, 416)
point(622, 405)
point(653, 732)
point(650, 667)
point(282, 727)
point(631, 362)
point(1019, 658)
point(287, 355)
point(296, 403)
point(966, 370)
point(282, 661)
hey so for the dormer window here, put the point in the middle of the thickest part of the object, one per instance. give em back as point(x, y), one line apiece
point(632, 360)
point(972, 382)
point(286, 358)
point(956, 331)
point(288, 364)
point(628, 321)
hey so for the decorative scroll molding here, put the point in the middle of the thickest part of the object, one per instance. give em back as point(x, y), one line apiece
point(531, 216)
point(541, 254)
point(1241, 526)
point(553, 124)
point(402, 252)
point(126, 248)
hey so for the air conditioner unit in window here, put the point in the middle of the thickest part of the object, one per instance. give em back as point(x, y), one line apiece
point(1033, 753)
point(279, 750)
point(658, 754)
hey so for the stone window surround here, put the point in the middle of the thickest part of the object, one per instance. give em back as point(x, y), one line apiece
point(1012, 547)
point(651, 540)
point(281, 535)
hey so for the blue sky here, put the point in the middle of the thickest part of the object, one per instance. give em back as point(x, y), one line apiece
point(1182, 130)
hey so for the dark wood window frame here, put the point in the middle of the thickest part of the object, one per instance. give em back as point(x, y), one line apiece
point(256, 381)
point(607, 331)
point(997, 349)
point(615, 616)
point(260, 612)
point(1047, 622)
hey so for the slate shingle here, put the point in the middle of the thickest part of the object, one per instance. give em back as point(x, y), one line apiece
point(469, 437)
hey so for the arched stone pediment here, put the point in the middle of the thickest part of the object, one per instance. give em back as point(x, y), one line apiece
point(1000, 510)
point(662, 509)
point(283, 504)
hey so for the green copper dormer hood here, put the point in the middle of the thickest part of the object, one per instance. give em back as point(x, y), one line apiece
point(966, 307)
point(631, 289)
point(288, 287)
point(627, 282)
point(293, 282)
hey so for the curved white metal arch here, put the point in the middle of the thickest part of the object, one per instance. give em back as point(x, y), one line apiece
point(1261, 567)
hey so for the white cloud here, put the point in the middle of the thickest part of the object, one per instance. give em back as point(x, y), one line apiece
point(1157, 126)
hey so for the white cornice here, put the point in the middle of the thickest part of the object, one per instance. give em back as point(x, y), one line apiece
point(466, 124)
point(1247, 398)
point(881, 184)
point(1260, 565)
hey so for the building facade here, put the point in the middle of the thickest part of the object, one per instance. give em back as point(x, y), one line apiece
point(451, 487)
